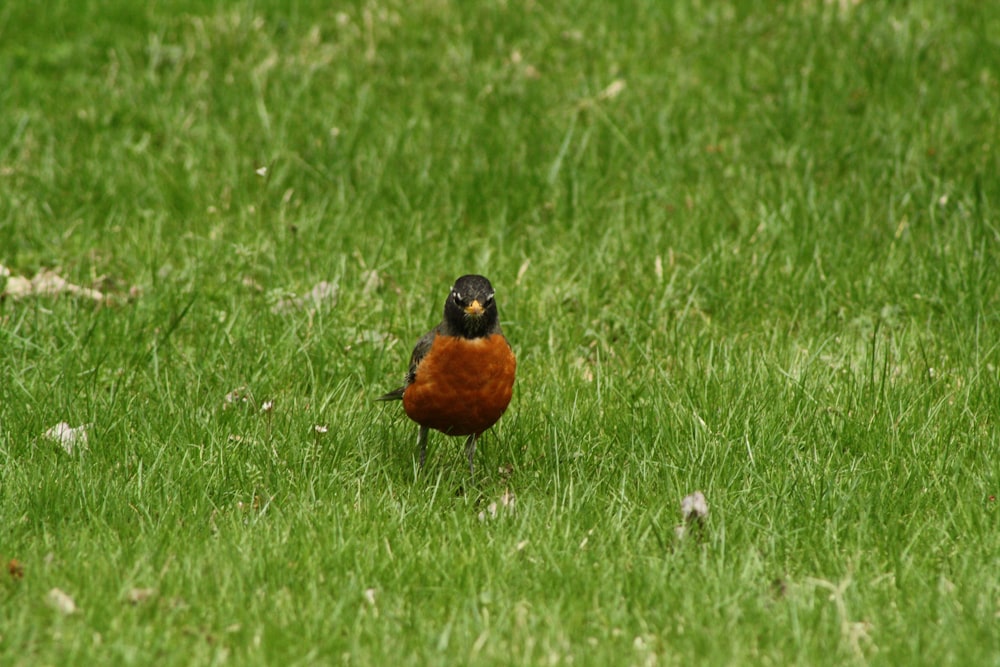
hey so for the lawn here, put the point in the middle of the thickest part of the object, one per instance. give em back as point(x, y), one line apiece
point(744, 248)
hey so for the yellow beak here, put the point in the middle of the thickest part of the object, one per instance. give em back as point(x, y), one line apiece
point(474, 308)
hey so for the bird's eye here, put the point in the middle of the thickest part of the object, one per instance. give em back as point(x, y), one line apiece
point(456, 297)
point(489, 299)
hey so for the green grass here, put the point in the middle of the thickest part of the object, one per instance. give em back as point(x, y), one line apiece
point(767, 268)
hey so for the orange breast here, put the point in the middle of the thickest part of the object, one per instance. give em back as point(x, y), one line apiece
point(462, 386)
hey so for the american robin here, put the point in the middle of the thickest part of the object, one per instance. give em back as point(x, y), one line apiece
point(461, 373)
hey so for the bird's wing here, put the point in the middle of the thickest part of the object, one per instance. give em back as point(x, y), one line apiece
point(420, 351)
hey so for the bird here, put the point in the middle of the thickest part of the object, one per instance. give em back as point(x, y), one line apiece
point(461, 375)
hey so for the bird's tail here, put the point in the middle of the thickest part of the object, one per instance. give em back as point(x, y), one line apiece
point(394, 395)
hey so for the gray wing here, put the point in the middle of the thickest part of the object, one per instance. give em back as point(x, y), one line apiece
point(420, 351)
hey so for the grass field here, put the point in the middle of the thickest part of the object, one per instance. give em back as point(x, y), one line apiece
point(746, 248)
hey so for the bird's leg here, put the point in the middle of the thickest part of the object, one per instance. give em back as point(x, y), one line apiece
point(470, 450)
point(422, 443)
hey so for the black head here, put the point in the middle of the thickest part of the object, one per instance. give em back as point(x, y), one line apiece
point(470, 310)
